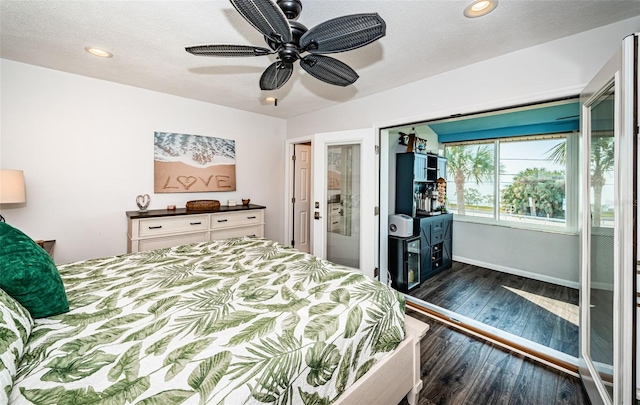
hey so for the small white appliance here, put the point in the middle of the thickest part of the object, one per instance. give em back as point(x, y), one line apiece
point(400, 225)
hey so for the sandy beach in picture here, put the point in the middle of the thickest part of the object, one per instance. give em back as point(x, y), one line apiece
point(177, 177)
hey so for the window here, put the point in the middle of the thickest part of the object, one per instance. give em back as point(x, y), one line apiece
point(521, 181)
point(533, 181)
point(471, 179)
point(518, 166)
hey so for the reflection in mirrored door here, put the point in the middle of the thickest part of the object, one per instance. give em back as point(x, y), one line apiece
point(343, 204)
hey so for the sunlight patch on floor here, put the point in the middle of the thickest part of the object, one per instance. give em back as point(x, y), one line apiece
point(564, 310)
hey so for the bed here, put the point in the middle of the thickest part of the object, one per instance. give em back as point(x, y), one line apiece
point(234, 321)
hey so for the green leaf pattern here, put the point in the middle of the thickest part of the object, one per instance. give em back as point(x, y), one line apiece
point(15, 327)
point(235, 321)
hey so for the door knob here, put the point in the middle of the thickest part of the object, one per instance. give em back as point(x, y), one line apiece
point(316, 215)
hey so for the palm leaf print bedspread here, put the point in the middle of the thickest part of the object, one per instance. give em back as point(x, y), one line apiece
point(236, 321)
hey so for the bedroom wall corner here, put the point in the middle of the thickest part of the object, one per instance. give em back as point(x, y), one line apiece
point(86, 148)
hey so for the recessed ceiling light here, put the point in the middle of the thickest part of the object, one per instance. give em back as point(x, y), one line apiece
point(272, 100)
point(98, 52)
point(480, 7)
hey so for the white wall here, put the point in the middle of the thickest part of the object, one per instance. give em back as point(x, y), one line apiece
point(528, 253)
point(86, 148)
point(555, 69)
point(528, 75)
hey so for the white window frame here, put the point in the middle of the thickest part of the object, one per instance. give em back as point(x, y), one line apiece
point(572, 187)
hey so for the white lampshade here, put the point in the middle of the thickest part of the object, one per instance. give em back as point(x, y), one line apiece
point(11, 186)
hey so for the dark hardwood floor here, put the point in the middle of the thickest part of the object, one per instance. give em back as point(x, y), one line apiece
point(541, 312)
point(459, 369)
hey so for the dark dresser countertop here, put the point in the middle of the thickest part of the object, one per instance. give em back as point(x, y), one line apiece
point(184, 211)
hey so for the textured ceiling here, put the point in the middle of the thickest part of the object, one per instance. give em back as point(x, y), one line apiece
point(147, 38)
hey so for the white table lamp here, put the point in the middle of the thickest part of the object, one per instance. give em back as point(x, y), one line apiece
point(11, 187)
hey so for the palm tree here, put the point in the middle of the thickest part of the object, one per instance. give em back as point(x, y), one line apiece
point(469, 162)
point(601, 162)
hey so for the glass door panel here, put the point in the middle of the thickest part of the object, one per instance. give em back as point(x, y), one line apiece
point(601, 274)
point(343, 204)
point(413, 263)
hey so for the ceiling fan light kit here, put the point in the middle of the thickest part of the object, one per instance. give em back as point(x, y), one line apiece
point(289, 40)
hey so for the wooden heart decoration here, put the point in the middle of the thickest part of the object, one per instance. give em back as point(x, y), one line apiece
point(187, 181)
point(143, 202)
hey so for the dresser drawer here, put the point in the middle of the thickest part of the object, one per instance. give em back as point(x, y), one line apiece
point(252, 230)
point(334, 223)
point(179, 224)
point(233, 219)
point(334, 209)
point(169, 241)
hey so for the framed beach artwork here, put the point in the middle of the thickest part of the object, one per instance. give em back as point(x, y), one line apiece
point(185, 163)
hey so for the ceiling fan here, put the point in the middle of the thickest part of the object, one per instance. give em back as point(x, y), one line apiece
point(289, 40)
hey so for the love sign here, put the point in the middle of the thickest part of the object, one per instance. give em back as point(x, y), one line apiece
point(193, 163)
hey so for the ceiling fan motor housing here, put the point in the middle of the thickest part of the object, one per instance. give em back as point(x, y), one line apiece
point(291, 8)
point(289, 52)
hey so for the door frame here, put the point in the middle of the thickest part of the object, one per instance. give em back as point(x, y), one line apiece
point(288, 195)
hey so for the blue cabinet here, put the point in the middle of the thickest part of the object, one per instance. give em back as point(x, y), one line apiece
point(417, 174)
point(413, 172)
point(435, 243)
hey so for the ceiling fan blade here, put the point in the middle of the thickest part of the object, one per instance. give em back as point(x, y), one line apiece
point(266, 17)
point(276, 75)
point(228, 50)
point(329, 70)
point(344, 33)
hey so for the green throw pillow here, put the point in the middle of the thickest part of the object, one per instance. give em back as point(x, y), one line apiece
point(28, 274)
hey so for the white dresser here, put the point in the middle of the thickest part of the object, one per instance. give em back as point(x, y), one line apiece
point(157, 229)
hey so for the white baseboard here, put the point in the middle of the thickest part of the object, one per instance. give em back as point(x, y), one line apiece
point(518, 272)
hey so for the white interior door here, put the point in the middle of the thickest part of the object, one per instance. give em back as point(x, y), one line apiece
point(301, 197)
point(608, 251)
point(344, 198)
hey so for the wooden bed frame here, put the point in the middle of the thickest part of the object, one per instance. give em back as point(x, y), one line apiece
point(393, 377)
